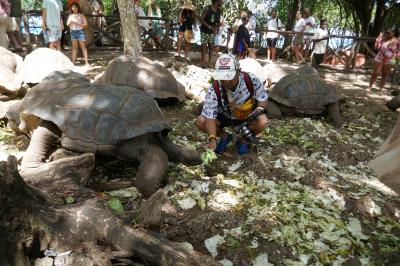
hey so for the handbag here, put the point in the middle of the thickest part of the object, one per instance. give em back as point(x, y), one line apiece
point(188, 34)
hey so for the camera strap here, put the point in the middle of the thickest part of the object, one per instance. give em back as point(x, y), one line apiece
point(225, 107)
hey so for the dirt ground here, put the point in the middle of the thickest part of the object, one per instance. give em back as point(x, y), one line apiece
point(304, 195)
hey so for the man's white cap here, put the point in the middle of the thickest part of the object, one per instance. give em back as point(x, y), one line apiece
point(226, 67)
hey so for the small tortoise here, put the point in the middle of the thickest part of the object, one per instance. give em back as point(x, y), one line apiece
point(144, 74)
point(117, 121)
point(41, 62)
point(309, 95)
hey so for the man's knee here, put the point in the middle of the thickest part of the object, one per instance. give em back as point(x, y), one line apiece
point(200, 122)
point(260, 124)
point(262, 121)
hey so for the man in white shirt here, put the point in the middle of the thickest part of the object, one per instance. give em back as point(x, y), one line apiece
point(52, 24)
point(274, 23)
point(299, 27)
point(320, 43)
point(143, 23)
point(251, 27)
point(310, 28)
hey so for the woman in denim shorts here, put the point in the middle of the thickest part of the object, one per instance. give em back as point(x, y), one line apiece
point(77, 22)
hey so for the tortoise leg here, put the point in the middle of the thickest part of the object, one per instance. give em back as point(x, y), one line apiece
point(334, 114)
point(152, 167)
point(273, 110)
point(178, 153)
point(42, 141)
point(393, 103)
point(153, 162)
point(35, 169)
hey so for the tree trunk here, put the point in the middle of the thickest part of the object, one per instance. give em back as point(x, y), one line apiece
point(30, 224)
point(87, 9)
point(130, 28)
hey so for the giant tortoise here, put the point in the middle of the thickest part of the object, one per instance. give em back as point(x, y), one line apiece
point(10, 81)
point(10, 60)
point(251, 65)
point(144, 74)
point(309, 95)
point(41, 62)
point(111, 120)
point(10, 84)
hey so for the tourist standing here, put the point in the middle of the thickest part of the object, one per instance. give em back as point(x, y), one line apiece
point(13, 31)
point(232, 31)
point(5, 9)
point(309, 28)
point(320, 43)
point(210, 23)
point(274, 23)
point(143, 24)
point(155, 11)
point(52, 23)
point(186, 21)
point(242, 40)
point(77, 22)
point(299, 28)
point(251, 27)
point(388, 52)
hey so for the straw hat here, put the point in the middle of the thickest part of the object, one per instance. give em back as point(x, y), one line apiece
point(188, 5)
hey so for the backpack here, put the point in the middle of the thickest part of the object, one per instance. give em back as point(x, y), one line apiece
point(250, 102)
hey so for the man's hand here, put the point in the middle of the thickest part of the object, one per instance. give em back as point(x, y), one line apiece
point(212, 144)
point(44, 29)
point(256, 112)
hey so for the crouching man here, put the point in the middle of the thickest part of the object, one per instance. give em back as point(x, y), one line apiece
point(233, 97)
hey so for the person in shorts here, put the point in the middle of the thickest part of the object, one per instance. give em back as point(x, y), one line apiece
point(320, 43)
point(274, 23)
point(299, 28)
point(52, 23)
point(387, 57)
point(186, 21)
point(13, 31)
point(210, 23)
point(155, 25)
point(309, 28)
point(77, 22)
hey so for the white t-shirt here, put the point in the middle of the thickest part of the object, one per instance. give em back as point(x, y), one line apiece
point(251, 26)
point(273, 24)
point(140, 13)
point(309, 20)
point(53, 12)
point(299, 26)
point(320, 47)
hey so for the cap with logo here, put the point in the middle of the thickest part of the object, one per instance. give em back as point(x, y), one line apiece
point(226, 67)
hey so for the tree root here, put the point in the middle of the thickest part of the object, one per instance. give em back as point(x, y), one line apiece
point(88, 227)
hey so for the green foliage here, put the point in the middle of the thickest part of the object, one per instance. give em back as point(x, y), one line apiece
point(109, 6)
point(116, 205)
point(208, 156)
point(69, 200)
